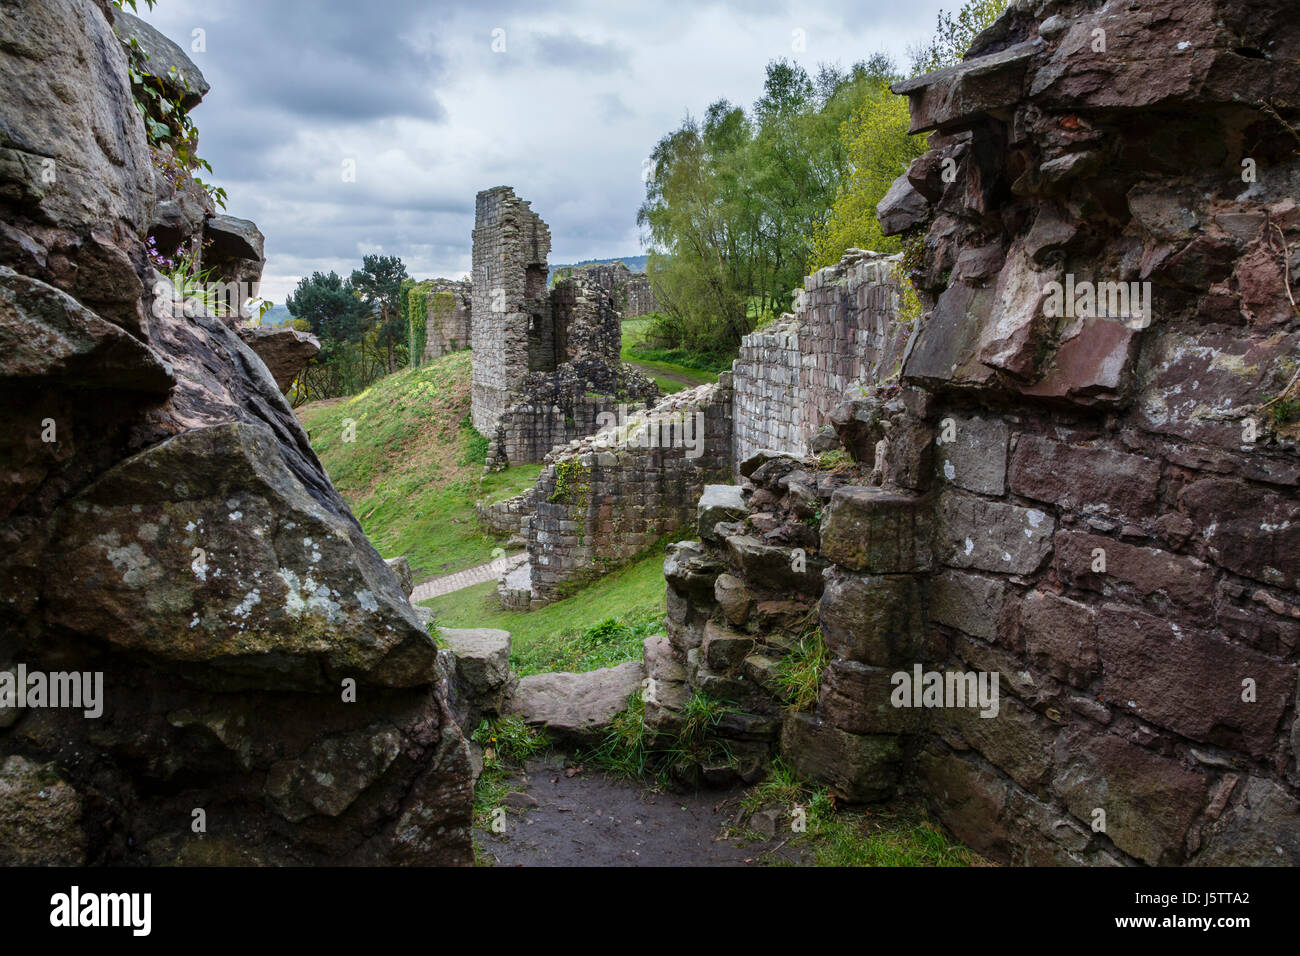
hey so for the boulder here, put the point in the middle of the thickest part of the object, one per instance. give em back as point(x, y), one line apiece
point(180, 78)
point(719, 503)
point(482, 664)
point(402, 568)
point(164, 521)
point(576, 707)
point(902, 208)
point(285, 351)
point(858, 768)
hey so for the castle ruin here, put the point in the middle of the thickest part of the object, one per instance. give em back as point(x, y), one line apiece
point(546, 361)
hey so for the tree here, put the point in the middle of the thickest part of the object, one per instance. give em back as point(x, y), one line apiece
point(878, 145)
point(953, 37)
point(736, 198)
point(379, 283)
point(330, 306)
point(879, 150)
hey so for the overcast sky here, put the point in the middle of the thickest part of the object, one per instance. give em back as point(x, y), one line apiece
point(414, 94)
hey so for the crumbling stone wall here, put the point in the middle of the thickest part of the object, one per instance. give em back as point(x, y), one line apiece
point(508, 302)
point(507, 517)
point(630, 290)
point(606, 498)
point(447, 318)
point(546, 362)
point(844, 332)
point(1100, 509)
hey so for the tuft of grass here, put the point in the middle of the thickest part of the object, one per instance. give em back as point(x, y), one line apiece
point(413, 470)
point(507, 742)
point(799, 674)
point(890, 835)
point(628, 750)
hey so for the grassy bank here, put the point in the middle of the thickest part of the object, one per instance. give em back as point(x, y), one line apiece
point(413, 467)
point(571, 634)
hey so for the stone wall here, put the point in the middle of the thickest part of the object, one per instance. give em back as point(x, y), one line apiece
point(606, 498)
point(508, 517)
point(447, 324)
point(790, 376)
point(630, 290)
point(1100, 510)
point(508, 301)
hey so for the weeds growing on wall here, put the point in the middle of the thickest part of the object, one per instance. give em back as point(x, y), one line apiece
point(861, 836)
point(799, 675)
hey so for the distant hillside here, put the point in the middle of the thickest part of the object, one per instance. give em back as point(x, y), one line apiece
point(277, 315)
point(635, 263)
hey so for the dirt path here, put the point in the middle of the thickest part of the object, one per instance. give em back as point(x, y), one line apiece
point(678, 377)
point(591, 820)
point(436, 587)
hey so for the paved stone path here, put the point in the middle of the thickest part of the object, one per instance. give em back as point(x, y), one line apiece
point(436, 587)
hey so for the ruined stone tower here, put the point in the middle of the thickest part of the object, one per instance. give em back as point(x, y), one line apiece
point(546, 361)
point(510, 318)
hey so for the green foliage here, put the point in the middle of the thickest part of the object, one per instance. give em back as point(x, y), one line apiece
point(735, 198)
point(379, 284)
point(405, 474)
point(799, 675)
point(953, 36)
point(879, 148)
point(507, 743)
point(630, 750)
point(361, 324)
point(875, 836)
point(509, 739)
point(608, 643)
point(572, 481)
point(417, 320)
point(173, 137)
point(476, 445)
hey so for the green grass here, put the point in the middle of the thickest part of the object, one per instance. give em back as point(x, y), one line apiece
point(414, 470)
point(555, 637)
point(799, 675)
point(698, 369)
point(889, 835)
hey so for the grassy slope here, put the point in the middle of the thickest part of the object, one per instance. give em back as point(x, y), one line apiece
point(413, 473)
point(545, 639)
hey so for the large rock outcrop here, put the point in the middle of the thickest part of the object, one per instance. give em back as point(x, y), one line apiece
point(165, 523)
point(1078, 475)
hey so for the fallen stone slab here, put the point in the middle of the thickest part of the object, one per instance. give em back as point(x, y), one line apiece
point(576, 706)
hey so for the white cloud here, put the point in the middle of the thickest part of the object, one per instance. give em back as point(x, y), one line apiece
point(431, 115)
